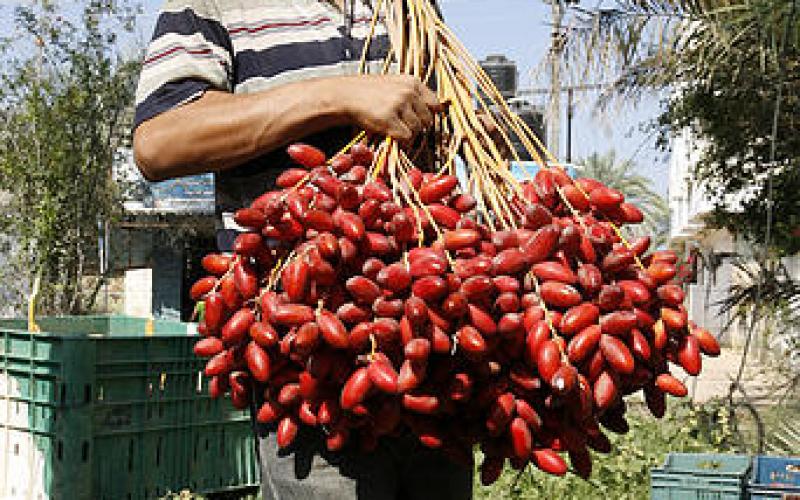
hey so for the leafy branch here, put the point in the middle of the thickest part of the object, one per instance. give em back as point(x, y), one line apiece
point(66, 91)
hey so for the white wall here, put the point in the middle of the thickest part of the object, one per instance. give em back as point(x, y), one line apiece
point(139, 292)
point(688, 201)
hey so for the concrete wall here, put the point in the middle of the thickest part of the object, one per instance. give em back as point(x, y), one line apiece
point(139, 292)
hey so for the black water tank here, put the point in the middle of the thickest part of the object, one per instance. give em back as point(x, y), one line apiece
point(503, 73)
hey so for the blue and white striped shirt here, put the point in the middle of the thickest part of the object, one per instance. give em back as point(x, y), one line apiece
point(245, 46)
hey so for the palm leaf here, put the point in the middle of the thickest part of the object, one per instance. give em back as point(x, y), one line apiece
point(639, 45)
point(785, 439)
point(762, 284)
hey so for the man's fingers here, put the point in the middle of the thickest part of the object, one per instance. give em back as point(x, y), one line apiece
point(429, 98)
point(399, 130)
point(411, 119)
point(423, 113)
point(439, 107)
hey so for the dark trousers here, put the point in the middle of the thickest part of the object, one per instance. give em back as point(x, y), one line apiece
point(399, 469)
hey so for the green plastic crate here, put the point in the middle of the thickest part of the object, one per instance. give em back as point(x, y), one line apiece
point(114, 408)
point(102, 325)
point(686, 476)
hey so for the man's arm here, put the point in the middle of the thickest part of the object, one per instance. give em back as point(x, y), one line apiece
point(221, 130)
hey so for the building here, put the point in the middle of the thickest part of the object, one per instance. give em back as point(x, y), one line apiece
point(712, 252)
point(155, 251)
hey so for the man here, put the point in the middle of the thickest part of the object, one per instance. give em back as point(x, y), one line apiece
point(225, 86)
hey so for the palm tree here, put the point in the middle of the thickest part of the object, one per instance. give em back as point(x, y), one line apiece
point(657, 44)
point(622, 176)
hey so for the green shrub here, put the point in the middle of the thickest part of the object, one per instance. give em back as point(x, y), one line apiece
point(625, 472)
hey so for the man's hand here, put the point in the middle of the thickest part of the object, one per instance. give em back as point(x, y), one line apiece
point(399, 106)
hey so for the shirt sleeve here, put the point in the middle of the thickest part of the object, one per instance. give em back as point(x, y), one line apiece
point(190, 52)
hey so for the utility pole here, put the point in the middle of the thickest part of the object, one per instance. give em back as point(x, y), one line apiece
point(570, 90)
point(554, 106)
point(570, 95)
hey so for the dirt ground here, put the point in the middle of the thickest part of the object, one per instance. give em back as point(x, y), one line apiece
point(714, 381)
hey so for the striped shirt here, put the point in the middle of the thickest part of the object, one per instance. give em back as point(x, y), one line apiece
point(244, 46)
